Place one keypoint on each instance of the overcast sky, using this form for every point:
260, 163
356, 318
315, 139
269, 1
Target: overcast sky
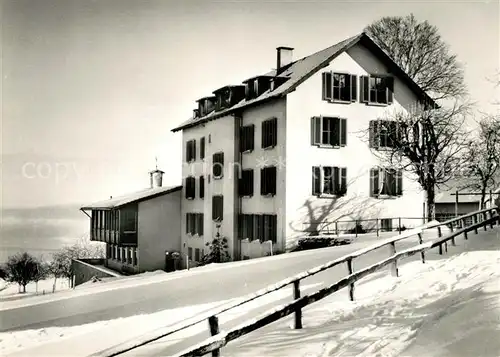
91, 88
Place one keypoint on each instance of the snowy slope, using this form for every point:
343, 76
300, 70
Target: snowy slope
444, 308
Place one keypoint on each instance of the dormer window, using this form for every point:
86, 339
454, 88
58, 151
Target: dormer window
255, 87
229, 96
223, 99
206, 106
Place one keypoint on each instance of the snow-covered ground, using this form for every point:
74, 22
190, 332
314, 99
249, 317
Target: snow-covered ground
444, 308
390, 317
12, 291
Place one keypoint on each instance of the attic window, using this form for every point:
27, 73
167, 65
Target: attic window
377, 89
223, 99
339, 87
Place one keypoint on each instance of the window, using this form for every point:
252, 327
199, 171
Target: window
191, 150
328, 131
202, 187
217, 208
190, 187
223, 99
261, 227
329, 180
268, 181
269, 133
197, 254
339, 87
202, 148
245, 186
247, 138
386, 182
386, 225
377, 89
384, 134
190, 253
194, 223
218, 165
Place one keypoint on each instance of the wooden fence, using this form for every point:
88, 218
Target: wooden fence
481, 219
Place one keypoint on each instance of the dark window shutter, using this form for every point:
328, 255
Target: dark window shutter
188, 151
354, 87
202, 187
316, 183
327, 85
390, 89
194, 150
251, 134
187, 222
336, 180
275, 131
317, 130
200, 224
343, 181
364, 88
343, 132
266, 224
313, 131
374, 182
400, 183
202, 148
335, 135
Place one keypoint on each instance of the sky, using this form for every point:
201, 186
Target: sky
92, 88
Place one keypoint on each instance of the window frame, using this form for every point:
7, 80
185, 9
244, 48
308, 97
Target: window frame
190, 190
219, 154
337, 181
268, 186
261, 227
381, 181
201, 184
243, 189
247, 138
191, 150
336, 123
269, 137
220, 215
366, 89
329, 88
388, 129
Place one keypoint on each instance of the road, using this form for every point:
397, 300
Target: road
197, 286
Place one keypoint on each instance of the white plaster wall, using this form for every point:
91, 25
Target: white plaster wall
222, 138
259, 157
158, 230
307, 102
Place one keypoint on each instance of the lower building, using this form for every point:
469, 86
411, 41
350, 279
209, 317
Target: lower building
141, 230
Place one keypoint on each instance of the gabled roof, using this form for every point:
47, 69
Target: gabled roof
299, 71
135, 197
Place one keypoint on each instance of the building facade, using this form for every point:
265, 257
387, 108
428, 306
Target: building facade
289, 152
141, 230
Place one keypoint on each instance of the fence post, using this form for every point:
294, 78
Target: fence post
351, 286
356, 228
484, 219
474, 220
376, 225
399, 225
394, 265
337, 228
420, 241
298, 312
213, 324
440, 234
492, 223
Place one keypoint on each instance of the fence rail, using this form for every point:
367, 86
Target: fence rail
218, 340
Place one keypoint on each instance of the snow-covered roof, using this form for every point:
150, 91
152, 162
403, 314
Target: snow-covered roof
138, 196
299, 71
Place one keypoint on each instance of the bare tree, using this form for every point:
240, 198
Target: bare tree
482, 158
417, 47
427, 144
22, 268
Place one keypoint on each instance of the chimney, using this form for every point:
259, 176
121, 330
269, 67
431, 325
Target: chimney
156, 178
284, 57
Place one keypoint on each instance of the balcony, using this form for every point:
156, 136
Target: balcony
125, 259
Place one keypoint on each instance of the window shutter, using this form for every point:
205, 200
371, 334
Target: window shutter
316, 177
317, 130
250, 137
266, 225
354, 87
343, 181
364, 84
263, 185
202, 148
327, 86
336, 180
374, 182
274, 219
343, 132
335, 133
250, 183
187, 222
399, 183
194, 150
390, 89
202, 187
200, 224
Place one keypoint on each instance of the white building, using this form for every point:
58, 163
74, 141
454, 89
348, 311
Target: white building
251, 151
